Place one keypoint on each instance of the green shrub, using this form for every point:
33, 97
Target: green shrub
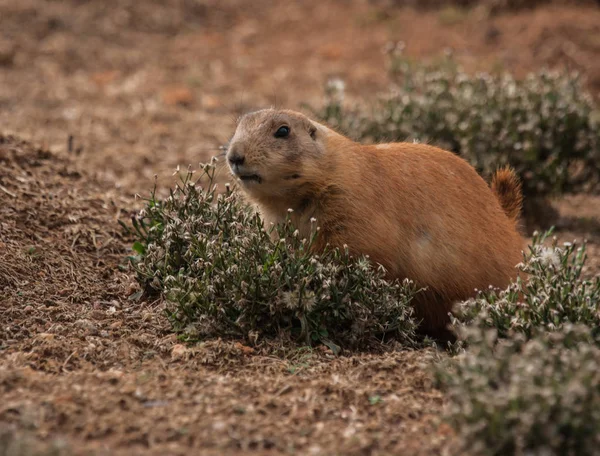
554, 294
224, 275
521, 396
529, 380
545, 126
493, 6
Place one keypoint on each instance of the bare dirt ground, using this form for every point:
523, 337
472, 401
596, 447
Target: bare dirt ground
142, 87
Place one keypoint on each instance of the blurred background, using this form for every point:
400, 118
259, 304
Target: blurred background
145, 85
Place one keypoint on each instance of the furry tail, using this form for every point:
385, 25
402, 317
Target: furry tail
507, 188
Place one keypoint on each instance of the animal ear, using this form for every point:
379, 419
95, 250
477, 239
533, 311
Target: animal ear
312, 130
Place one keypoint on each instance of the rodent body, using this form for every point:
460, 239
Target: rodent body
421, 212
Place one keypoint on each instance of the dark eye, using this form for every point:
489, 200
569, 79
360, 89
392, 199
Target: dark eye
282, 132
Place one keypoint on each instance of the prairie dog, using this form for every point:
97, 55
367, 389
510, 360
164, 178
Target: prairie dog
421, 212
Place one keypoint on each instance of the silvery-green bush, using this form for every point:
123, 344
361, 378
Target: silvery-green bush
525, 396
224, 275
553, 293
526, 380
546, 126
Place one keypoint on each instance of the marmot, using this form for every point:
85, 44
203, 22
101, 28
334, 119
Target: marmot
421, 212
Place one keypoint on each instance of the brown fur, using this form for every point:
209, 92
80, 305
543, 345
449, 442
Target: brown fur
506, 186
421, 212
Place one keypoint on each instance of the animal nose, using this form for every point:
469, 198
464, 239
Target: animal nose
236, 158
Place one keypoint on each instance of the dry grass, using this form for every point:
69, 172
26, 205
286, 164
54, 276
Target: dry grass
308, 404
82, 361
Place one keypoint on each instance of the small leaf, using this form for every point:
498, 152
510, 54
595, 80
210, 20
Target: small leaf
139, 247
375, 399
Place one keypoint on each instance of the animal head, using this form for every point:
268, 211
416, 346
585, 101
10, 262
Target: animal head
272, 150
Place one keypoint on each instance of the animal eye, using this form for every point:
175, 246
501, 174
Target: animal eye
282, 132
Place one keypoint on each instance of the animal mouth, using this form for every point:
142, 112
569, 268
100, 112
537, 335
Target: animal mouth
250, 178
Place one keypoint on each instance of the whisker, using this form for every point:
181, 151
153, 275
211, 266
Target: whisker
234, 118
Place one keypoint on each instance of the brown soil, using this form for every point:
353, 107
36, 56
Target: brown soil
142, 87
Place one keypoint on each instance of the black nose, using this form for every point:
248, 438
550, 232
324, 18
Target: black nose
236, 159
